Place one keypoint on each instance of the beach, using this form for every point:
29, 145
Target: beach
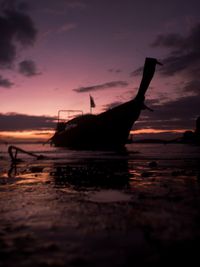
136, 207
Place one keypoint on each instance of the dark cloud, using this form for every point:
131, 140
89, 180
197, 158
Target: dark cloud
101, 86
5, 82
192, 86
176, 114
28, 68
170, 40
115, 70
20, 122
16, 28
137, 72
184, 55
183, 60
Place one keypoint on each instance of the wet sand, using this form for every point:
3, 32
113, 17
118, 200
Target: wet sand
129, 209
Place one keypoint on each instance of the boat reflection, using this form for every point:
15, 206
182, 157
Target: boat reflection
103, 174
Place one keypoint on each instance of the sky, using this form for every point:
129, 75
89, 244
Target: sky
54, 54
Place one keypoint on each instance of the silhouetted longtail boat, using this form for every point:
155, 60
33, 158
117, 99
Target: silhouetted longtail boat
107, 130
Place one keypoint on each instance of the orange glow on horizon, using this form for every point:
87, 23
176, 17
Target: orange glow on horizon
46, 134
33, 134
155, 131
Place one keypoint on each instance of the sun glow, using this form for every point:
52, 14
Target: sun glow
156, 131
26, 135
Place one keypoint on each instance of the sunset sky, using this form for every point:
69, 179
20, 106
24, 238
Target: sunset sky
54, 53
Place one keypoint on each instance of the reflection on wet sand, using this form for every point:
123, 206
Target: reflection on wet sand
101, 210
92, 174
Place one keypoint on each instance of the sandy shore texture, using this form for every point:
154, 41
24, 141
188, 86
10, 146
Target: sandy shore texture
109, 211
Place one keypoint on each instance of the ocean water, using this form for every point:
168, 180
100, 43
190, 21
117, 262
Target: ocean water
131, 152
93, 167
93, 208
135, 157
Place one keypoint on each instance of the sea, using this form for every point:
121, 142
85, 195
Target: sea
61, 207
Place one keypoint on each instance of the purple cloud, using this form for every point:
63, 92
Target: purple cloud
103, 86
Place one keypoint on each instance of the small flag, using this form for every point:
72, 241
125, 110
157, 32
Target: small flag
92, 103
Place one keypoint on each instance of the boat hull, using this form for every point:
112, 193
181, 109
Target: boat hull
107, 130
